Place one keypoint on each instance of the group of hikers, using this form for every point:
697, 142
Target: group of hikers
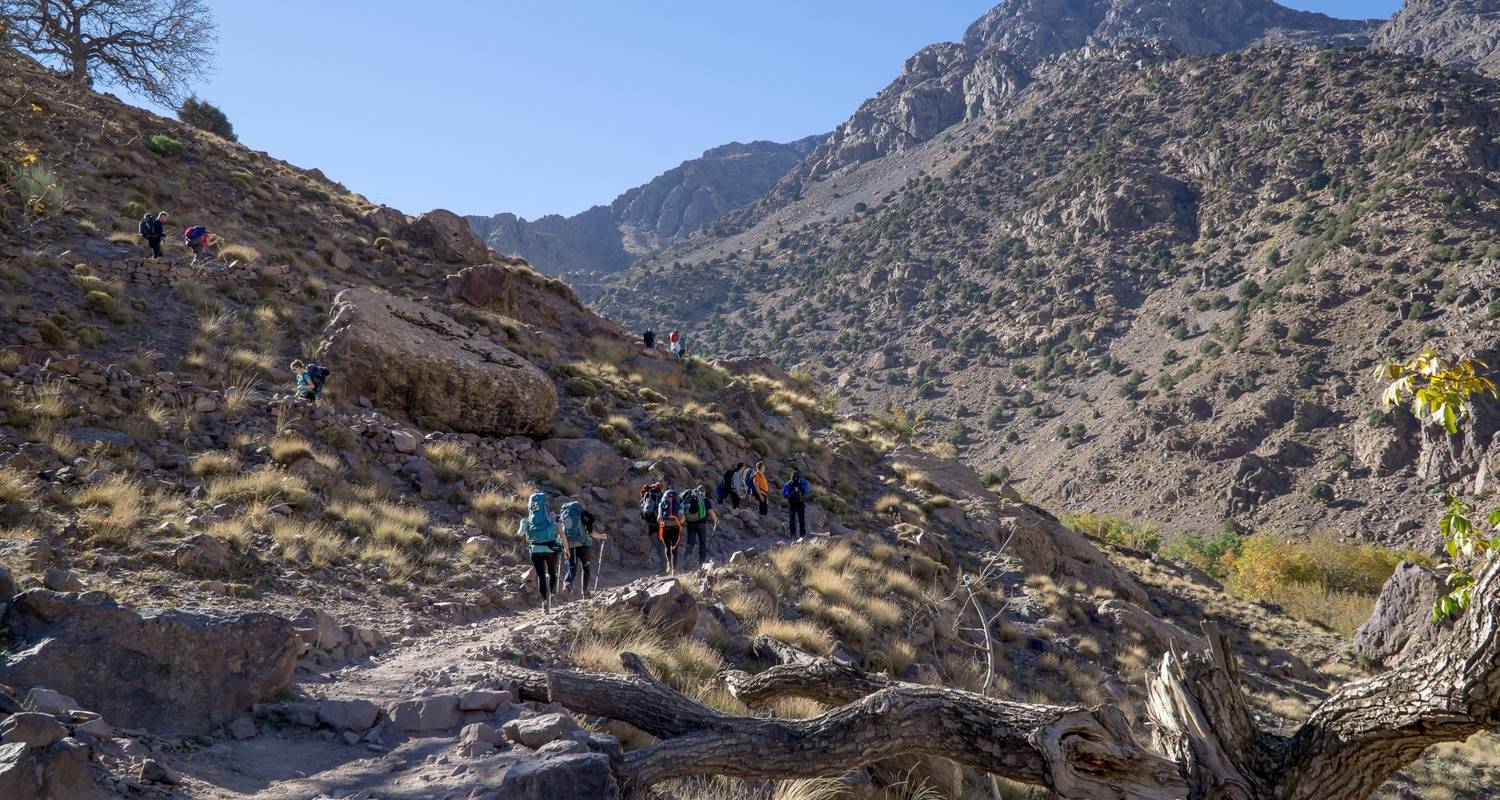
153, 229
670, 516
676, 344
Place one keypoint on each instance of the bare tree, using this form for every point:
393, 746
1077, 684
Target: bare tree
154, 47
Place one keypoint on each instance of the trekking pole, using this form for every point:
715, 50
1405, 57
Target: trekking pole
599, 568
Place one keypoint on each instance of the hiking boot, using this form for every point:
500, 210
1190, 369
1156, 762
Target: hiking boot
547, 605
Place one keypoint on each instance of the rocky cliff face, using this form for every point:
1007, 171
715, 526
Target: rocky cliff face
1042, 28
1460, 33
645, 219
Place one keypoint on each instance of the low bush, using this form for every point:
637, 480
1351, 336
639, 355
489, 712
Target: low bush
1116, 531
164, 145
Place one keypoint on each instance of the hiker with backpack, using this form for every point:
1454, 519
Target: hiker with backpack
651, 495
153, 230
740, 484
577, 525
310, 379
674, 343
796, 491
649, 339
197, 238
760, 486
671, 515
541, 530
732, 485
697, 512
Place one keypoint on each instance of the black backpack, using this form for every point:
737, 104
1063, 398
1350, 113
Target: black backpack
148, 226
650, 503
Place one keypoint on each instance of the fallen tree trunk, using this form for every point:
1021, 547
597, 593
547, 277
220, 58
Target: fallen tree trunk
1205, 742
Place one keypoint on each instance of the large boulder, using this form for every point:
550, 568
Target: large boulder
511, 288
1401, 624
552, 776
166, 671
411, 360
448, 236
590, 461
670, 609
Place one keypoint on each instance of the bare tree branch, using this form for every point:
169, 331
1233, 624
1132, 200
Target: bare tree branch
153, 47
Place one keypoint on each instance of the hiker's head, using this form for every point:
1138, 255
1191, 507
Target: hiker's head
760, 466
297, 365
162, 216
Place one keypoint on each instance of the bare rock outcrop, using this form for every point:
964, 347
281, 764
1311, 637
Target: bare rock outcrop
166, 671
410, 360
1401, 624
1459, 33
513, 289
448, 236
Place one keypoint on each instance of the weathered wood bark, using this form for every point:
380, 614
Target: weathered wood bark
1206, 744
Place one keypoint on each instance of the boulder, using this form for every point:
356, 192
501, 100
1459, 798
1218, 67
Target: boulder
408, 359
670, 609
385, 219
319, 629
165, 671
32, 729
47, 701
482, 700
425, 714
153, 771
511, 288
1160, 635
534, 732
448, 236
65, 771
589, 461
17, 772
553, 776
242, 728
1401, 624
348, 715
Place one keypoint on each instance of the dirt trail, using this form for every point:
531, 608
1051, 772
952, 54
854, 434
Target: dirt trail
293, 763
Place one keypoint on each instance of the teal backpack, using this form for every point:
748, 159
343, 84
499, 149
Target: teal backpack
541, 531
570, 519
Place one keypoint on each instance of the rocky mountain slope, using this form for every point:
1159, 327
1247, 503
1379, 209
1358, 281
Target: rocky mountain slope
644, 220
1134, 292
1460, 33
212, 591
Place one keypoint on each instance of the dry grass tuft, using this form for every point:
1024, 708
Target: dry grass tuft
214, 464
451, 460
798, 633
306, 542
112, 511
288, 450
264, 484
18, 491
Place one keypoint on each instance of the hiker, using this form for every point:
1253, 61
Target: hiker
198, 239
732, 485
671, 516
153, 230
761, 487
674, 343
577, 525
541, 530
697, 512
796, 491
310, 379
649, 337
651, 495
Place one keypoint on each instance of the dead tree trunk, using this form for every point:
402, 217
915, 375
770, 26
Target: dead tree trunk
1205, 743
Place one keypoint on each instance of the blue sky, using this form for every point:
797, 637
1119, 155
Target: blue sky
554, 105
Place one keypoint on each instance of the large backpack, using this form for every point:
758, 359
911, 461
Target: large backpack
671, 506
540, 529
318, 374
796, 490
148, 228
651, 501
570, 519
694, 509
194, 233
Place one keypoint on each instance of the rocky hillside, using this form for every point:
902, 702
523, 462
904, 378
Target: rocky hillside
644, 220
1133, 293
1461, 33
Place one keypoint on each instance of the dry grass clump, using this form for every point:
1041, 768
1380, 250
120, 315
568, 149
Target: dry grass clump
288, 450
263, 484
238, 252
721, 788
748, 608
801, 634
398, 565
236, 532
914, 477
214, 464
18, 492
384, 523
683, 457
307, 542
113, 510
687, 665
450, 460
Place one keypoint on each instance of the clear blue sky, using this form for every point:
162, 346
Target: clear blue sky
539, 106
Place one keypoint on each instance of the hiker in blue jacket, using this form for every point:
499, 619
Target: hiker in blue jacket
540, 528
796, 491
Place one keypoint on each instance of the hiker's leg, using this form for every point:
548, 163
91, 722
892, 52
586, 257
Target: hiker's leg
572, 566
802, 519
539, 563
586, 566
552, 559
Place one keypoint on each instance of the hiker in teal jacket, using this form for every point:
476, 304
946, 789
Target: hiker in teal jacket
541, 530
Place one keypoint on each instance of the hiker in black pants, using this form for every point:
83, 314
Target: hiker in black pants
733, 484
153, 230
578, 531
651, 495
796, 492
698, 511
649, 338
540, 529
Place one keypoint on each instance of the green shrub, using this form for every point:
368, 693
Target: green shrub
1321, 491
242, 178
206, 116
162, 144
1211, 552
314, 193
1116, 531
